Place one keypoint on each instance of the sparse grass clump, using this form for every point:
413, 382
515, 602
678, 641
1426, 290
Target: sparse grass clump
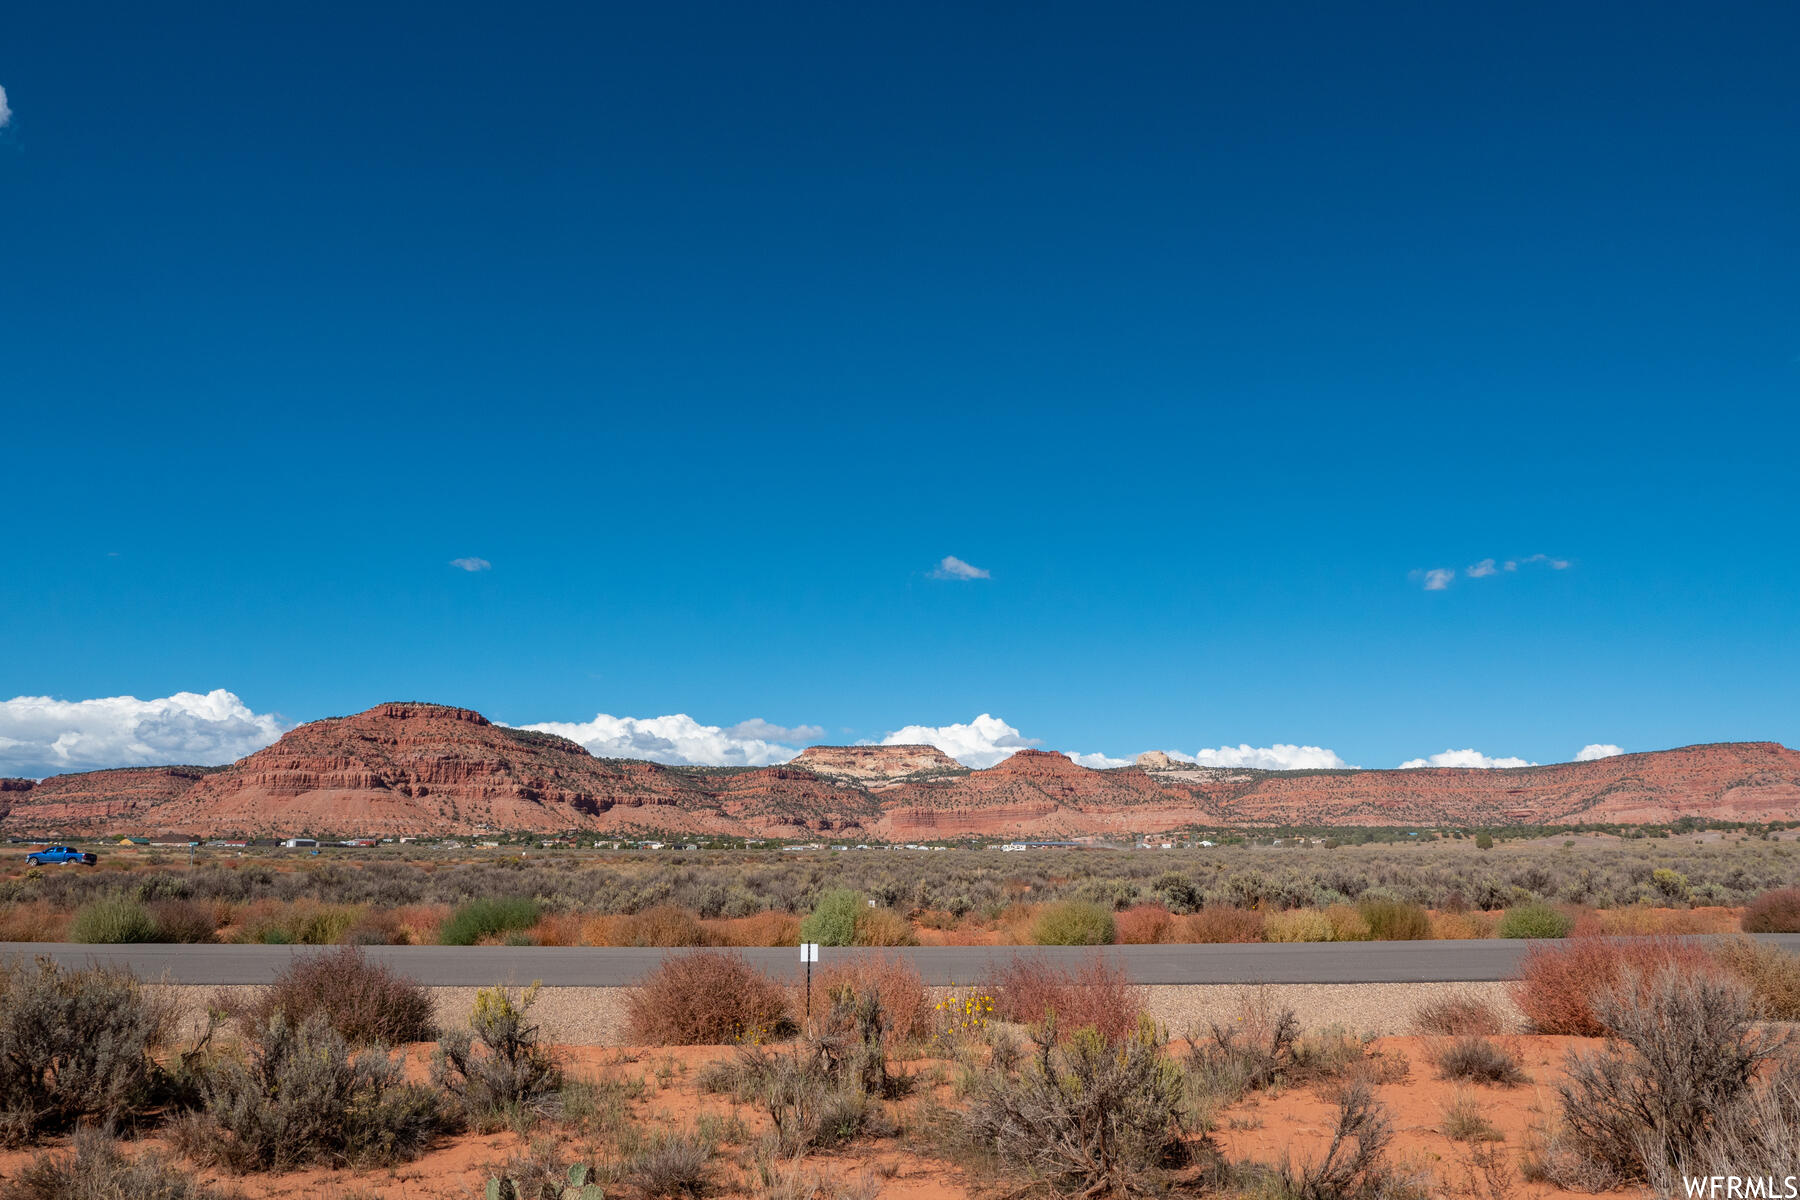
1464, 1122
75, 1046
487, 918
1474, 1059
1073, 923
365, 1001
1535, 921
97, 1169
1458, 1016
707, 997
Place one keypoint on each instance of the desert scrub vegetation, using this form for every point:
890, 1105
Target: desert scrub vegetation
497, 1071
1773, 912
488, 917
1686, 1084
297, 1094
365, 1001
1535, 921
77, 1046
1771, 973
1559, 985
1217, 894
706, 997
896, 985
1094, 995
1081, 1115
1474, 1059
95, 1168
1073, 923
1458, 1016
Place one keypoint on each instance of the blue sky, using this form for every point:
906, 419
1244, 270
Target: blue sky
714, 329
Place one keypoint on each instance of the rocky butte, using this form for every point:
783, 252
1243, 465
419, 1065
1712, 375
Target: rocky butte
428, 768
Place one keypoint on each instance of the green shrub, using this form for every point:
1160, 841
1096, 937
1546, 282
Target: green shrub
498, 1068
112, 920
1535, 921
302, 1097
1073, 923
832, 921
75, 1046
1396, 921
488, 917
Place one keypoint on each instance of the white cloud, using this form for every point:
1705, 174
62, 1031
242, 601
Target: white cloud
1597, 750
1464, 758
981, 743
1555, 564
1438, 578
1482, 569
1282, 756
676, 739
5, 111
1098, 762
953, 567
472, 564
41, 736
756, 727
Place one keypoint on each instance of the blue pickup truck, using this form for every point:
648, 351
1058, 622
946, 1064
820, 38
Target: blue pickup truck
60, 854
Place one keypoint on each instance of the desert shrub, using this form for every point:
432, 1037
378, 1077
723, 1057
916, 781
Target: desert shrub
1680, 1063
486, 918
1219, 924
1535, 921
707, 997
75, 1046
1773, 912
35, 921
1252, 1051
1396, 921
1096, 995
1474, 1059
832, 921
1144, 925
1347, 923
380, 927
302, 1096
1464, 1121
96, 1169
1355, 1165
1073, 923
1460, 925
113, 920
1557, 985
662, 925
893, 981
884, 927
758, 929
497, 1068
1083, 1118
184, 921
1771, 973
1297, 925
365, 1001
1458, 1016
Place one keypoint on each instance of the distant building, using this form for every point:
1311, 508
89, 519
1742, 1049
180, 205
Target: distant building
297, 843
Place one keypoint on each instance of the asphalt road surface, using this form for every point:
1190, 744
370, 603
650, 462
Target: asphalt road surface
585, 966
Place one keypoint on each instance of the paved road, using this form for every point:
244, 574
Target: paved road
451, 966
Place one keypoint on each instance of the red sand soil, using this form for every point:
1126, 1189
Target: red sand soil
1295, 1122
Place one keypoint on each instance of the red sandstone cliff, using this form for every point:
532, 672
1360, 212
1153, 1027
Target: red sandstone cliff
425, 768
